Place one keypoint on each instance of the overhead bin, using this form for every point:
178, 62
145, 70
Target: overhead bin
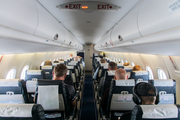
126, 29
48, 27
158, 15
15, 14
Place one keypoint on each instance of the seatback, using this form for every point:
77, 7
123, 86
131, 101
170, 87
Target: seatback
21, 112
156, 112
55, 98
107, 81
128, 71
33, 74
103, 67
166, 89
69, 80
119, 65
13, 91
140, 75
47, 71
120, 96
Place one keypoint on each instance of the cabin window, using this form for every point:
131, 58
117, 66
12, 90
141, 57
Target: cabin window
24, 72
11, 74
132, 64
42, 64
150, 72
122, 61
161, 74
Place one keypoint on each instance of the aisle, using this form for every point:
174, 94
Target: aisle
88, 108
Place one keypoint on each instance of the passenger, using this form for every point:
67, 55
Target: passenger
47, 62
111, 67
146, 92
126, 64
60, 71
137, 68
56, 61
103, 61
71, 55
76, 58
120, 74
61, 59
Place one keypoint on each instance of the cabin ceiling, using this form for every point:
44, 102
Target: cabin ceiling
88, 28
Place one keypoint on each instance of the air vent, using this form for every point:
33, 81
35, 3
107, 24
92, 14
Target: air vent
56, 37
120, 38
70, 43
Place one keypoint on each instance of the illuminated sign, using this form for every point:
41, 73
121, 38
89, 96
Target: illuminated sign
87, 6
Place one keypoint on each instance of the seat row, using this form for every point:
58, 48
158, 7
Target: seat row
50, 95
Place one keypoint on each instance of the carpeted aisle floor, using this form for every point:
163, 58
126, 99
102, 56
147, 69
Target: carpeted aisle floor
88, 108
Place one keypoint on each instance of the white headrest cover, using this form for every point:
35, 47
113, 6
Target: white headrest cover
54, 64
72, 63
47, 67
104, 64
16, 110
105, 67
159, 111
34, 72
119, 64
111, 73
137, 73
128, 67
129, 82
31, 86
10, 82
163, 82
50, 101
70, 67
61, 61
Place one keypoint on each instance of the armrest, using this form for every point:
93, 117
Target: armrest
73, 112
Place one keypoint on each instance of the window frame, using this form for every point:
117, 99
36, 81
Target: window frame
23, 71
158, 69
14, 74
150, 72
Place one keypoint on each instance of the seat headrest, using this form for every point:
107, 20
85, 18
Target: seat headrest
159, 111
71, 63
138, 73
70, 67
74, 62
54, 64
67, 72
128, 67
119, 64
111, 73
129, 82
34, 72
160, 82
9, 82
104, 64
61, 61
47, 67
16, 110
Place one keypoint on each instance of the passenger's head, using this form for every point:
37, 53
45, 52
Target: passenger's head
144, 93
71, 55
103, 61
137, 68
47, 62
79, 57
59, 72
61, 59
126, 64
112, 66
120, 74
56, 61
76, 58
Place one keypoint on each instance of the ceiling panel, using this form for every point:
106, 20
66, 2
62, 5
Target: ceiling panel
99, 22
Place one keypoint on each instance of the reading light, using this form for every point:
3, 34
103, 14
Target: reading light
84, 7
